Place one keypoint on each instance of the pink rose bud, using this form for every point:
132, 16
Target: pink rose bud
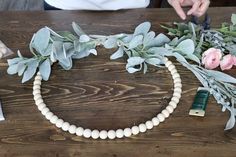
211, 58
234, 60
227, 62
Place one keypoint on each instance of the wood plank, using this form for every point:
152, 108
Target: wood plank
99, 93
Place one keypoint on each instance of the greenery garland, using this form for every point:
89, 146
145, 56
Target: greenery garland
143, 48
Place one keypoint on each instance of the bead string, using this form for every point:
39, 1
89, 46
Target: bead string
111, 134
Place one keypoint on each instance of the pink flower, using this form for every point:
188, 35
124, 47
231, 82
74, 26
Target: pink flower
227, 62
211, 58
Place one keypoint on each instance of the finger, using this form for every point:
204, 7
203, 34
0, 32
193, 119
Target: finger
179, 10
204, 6
194, 8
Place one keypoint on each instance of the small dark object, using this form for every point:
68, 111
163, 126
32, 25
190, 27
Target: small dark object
200, 102
205, 24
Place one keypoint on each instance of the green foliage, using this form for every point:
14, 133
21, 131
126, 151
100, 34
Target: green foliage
143, 48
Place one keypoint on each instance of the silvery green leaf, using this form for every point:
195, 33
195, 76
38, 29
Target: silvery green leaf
149, 37
45, 69
142, 29
66, 63
220, 76
179, 57
136, 41
19, 54
127, 39
58, 50
31, 44
12, 69
186, 46
53, 57
93, 51
21, 69
13, 61
231, 122
132, 61
110, 43
41, 40
48, 50
30, 70
119, 53
159, 51
233, 19
81, 54
68, 36
145, 67
54, 33
193, 58
77, 29
132, 70
84, 38
158, 41
153, 61
174, 42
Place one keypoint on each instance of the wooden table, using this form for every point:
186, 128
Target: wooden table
99, 93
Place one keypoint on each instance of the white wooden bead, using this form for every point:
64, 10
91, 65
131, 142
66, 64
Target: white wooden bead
36, 91
175, 99
161, 117
37, 96
155, 121
72, 129
149, 124
39, 101
171, 67
177, 80
38, 74
142, 128
59, 123
175, 76
36, 87
178, 84
165, 60
168, 63
53, 119
127, 132
177, 95
48, 115
173, 104
103, 134
79, 131
45, 110
95, 134
178, 89
37, 82
38, 78
174, 71
119, 133
41, 106
87, 133
135, 130
170, 109
65, 126
165, 113
111, 134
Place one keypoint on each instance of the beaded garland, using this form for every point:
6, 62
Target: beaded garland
111, 134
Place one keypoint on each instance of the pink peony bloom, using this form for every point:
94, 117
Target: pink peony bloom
211, 58
227, 62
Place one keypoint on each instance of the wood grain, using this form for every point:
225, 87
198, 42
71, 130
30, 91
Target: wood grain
99, 93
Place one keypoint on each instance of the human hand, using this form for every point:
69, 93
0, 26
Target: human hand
199, 7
